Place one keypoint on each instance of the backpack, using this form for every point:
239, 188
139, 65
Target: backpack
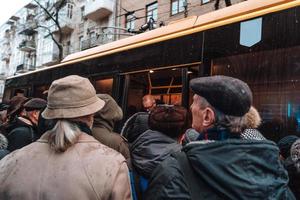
139, 185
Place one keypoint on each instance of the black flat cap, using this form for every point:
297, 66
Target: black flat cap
35, 104
228, 95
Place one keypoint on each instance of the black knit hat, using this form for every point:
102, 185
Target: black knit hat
285, 144
229, 95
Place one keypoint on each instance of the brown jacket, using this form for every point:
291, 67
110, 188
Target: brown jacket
104, 122
87, 170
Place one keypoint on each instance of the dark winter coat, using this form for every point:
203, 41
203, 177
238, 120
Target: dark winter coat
232, 169
21, 134
294, 176
150, 149
104, 122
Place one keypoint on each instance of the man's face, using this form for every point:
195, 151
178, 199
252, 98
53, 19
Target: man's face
34, 116
148, 102
197, 114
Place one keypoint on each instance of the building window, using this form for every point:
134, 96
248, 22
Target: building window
130, 21
177, 6
80, 42
70, 10
205, 1
151, 11
82, 10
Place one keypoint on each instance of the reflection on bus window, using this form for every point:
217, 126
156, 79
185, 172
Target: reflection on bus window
104, 86
192, 73
274, 78
164, 85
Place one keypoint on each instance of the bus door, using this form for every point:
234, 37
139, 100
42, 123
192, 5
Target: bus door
167, 86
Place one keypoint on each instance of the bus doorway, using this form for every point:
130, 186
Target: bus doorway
167, 86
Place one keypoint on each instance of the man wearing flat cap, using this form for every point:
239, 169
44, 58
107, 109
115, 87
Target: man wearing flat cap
33, 108
220, 164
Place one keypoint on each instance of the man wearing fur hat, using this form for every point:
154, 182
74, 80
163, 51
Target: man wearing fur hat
66, 162
220, 164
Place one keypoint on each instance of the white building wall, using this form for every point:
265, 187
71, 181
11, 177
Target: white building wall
46, 49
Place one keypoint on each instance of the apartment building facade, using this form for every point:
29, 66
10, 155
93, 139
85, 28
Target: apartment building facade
29, 38
142, 15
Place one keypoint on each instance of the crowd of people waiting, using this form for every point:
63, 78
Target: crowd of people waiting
66, 147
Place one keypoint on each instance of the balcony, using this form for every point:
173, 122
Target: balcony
66, 24
5, 57
98, 9
2, 75
22, 68
50, 57
28, 28
96, 41
5, 41
89, 43
27, 46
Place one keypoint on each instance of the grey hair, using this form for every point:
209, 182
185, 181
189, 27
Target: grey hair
233, 123
3, 142
295, 154
63, 135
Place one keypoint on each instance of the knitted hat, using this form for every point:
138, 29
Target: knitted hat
285, 144
168, 119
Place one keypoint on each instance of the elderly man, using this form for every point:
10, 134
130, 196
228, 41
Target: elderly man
67, 162
220, 165
148, 102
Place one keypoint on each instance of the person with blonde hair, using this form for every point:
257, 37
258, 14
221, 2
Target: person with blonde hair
66, 162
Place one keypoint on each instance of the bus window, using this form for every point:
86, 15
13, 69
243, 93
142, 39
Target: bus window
21, 92
41, 91
274, 78
164, 85
7, 95
268, 62
104, 86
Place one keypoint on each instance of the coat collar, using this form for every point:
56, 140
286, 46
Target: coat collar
83, 138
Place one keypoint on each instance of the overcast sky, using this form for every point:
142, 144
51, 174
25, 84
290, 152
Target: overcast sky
9, 8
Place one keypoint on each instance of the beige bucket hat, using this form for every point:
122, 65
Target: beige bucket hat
70, 97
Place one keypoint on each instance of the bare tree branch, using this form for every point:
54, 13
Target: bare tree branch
50, 33
55, 18
44, 9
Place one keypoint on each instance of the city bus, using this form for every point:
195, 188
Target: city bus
255, 41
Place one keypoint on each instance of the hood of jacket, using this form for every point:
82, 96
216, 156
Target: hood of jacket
109, 114
234, 165
149, 149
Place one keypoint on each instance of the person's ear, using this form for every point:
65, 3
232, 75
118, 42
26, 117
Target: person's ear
36, 114
208, 117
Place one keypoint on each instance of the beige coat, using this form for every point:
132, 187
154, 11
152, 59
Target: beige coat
87, 170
